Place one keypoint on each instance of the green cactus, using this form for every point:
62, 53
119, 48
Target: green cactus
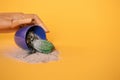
43, 46
38, 44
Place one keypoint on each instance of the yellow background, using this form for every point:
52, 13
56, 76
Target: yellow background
86, 32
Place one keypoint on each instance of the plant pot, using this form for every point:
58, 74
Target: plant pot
20, 35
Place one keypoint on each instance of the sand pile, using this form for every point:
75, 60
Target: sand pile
22, 55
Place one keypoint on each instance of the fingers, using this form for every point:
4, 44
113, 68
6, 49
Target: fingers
39, 22
21, 21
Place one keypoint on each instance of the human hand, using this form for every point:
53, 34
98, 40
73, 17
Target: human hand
10, 22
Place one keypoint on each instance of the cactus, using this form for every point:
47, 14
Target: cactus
43, 46
35, 43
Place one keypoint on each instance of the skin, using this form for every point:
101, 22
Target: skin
10, 22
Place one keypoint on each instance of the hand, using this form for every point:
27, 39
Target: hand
10, 22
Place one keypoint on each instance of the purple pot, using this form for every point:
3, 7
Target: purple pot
20, 36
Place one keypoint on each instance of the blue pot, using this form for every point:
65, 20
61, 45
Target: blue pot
20, 35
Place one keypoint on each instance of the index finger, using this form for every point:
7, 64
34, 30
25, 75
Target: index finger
36, 20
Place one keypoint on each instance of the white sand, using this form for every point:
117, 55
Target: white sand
22, 55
